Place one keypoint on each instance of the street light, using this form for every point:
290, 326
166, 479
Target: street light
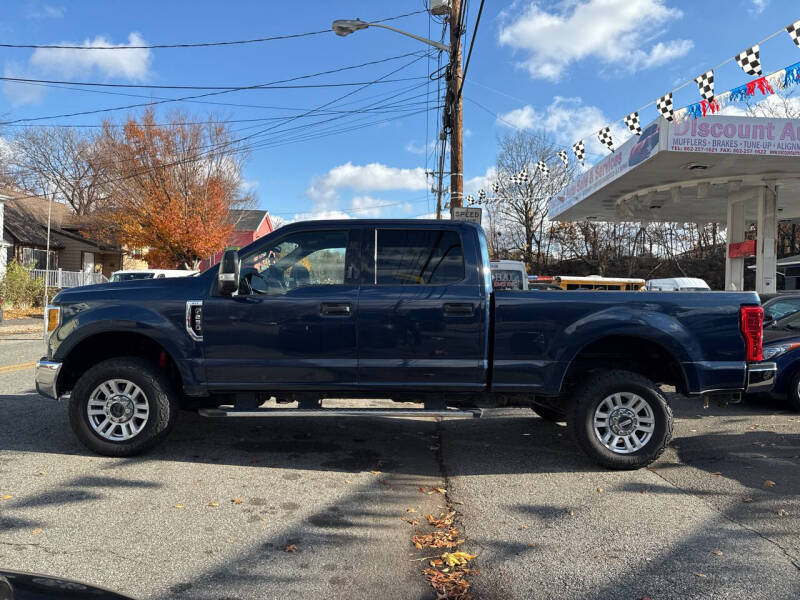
343, 27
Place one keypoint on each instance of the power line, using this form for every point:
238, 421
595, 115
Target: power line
217, 93
193, 87
469, 53
193, 44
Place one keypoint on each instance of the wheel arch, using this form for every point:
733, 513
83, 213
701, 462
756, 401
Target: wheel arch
103, 345
644, 355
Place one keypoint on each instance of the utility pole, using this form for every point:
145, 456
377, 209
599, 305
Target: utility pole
453, 120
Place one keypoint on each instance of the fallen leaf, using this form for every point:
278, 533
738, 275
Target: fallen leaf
782, 512
292, 548
6, 497
701, 574
37, 531
229, 540
178, 506
422, 489
236, 501
411, 510
524, 526
375, 472
752, 427
718, 552
410, 521
717, 474
436, 562
748, 499
197, 482
42, 473
457, 559
440, 490
599, 490
212, 504
347, 481
571, 513
418, 545
531, 545
769, 483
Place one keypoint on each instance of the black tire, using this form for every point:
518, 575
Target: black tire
793, 393
588, 396
163, 405
550, 414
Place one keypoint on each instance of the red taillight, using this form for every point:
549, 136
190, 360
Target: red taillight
753, 332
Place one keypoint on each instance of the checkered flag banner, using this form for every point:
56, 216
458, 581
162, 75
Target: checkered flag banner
481, 196
705, 85
496, 188
470, 199
522, 176
749, 61
579, 149
515, 179
562, 154
793, 31
632, 122
543, 168
665, 107
604, 135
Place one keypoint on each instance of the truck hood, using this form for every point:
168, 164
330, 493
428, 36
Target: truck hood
138, 289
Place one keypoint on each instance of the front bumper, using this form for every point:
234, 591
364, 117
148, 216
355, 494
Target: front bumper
47, 378
761, 377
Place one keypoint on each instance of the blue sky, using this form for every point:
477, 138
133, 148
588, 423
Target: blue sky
568, 67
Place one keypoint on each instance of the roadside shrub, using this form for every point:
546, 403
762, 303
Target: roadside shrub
18, 289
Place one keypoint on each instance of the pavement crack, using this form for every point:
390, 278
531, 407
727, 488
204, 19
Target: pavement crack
794, 561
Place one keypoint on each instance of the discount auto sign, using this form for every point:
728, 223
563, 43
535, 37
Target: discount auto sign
736, 135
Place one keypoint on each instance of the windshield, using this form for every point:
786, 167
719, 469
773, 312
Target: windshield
130, 276
779, 308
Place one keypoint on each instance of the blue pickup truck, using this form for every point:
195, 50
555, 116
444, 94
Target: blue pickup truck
397, 309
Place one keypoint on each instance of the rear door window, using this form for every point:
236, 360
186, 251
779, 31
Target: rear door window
418, 257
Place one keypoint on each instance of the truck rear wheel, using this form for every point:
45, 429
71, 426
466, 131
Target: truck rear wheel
122, 407
621, 420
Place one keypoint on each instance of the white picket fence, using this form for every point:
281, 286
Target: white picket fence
59, 278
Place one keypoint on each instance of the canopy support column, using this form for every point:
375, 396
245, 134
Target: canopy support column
765, 242
734, 267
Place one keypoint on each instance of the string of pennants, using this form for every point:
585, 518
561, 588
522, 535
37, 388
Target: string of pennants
710, 103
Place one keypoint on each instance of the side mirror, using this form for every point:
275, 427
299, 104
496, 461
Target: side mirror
228, 274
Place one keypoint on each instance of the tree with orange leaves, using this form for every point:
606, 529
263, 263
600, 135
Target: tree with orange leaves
172, 187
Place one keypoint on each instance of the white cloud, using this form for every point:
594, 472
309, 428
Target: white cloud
47, 11
480, 182
758, 6
364, 178
325, 215
567, 120
415, 148
131, 65
127, 64
368, 206
616, 32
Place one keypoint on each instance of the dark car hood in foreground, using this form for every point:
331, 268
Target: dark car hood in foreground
139, 288
28, 586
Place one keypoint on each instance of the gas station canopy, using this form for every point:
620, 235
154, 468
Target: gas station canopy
736, 170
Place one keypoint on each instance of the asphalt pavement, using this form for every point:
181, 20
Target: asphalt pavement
325, 507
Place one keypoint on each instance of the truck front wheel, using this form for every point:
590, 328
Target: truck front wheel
122, 407
621, 420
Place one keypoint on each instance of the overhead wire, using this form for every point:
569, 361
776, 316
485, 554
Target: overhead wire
216, 93
190, 44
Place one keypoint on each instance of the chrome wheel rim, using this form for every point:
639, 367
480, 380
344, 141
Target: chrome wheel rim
118, 410
624, 422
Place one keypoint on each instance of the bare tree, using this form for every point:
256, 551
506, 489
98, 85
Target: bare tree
522, 203
61, 161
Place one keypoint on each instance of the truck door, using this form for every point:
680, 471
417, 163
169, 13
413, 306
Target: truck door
293, 323
422, 313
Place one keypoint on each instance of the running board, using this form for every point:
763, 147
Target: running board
470, 413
